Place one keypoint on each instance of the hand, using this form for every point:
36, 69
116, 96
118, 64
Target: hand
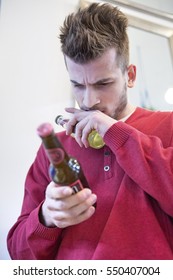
62, 208
85, 122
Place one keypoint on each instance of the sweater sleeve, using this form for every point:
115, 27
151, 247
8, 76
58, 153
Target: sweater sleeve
144, 159
28, 238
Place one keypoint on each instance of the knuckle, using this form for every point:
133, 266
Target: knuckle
78, 128
48, 191
60, 224
61, 205
87, 204
95, 115
91, 201
72, 213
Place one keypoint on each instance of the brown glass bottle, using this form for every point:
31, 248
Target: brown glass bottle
64, 170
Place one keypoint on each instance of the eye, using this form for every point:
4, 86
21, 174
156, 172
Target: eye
103, 84
75, 85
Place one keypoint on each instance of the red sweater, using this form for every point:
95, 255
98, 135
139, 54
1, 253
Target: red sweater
134, 214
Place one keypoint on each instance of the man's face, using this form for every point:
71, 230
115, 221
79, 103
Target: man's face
100, 84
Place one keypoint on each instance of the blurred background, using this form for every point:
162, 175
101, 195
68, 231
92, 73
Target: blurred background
34, 85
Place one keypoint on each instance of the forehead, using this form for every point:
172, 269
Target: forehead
99, 68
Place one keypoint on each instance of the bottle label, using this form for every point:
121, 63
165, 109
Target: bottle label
57, 175
55, 155
76, 186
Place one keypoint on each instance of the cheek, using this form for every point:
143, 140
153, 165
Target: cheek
109, 97
113, 98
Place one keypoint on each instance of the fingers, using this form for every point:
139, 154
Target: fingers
55, 192
65, 203
72, 110
62, 208
85, 122
77, 116
83, 128
75, 214
81, 120
63, 223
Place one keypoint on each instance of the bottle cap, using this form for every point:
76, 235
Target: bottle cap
60, 120
44, 129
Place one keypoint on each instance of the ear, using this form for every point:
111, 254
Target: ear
131, 71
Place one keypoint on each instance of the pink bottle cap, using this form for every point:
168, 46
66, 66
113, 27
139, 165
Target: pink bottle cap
44, 129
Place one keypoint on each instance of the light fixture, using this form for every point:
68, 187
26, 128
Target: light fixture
169, 95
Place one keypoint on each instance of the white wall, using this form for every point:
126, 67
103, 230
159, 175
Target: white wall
34, 88
152, 57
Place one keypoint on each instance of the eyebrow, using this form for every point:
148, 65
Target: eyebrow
102, 81
74, 82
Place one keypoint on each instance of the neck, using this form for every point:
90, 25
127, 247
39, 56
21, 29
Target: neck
127, 111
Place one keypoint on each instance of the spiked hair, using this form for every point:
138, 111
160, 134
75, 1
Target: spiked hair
88, 33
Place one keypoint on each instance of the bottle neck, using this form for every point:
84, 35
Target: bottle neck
51, 141
54, 148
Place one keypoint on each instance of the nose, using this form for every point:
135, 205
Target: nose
90, 99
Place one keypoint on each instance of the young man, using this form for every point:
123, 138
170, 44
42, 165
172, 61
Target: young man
131, 177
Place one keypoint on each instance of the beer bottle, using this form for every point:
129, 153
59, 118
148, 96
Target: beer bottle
94, 139
64, 170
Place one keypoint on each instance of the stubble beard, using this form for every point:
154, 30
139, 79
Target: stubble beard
121, 106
